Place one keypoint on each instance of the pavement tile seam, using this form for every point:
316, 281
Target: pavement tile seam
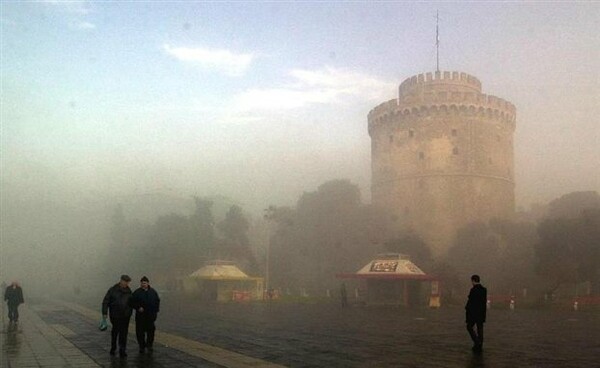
211, 353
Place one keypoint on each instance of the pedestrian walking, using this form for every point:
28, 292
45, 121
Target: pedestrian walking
13, 295
116, 305
146, 303
476, 311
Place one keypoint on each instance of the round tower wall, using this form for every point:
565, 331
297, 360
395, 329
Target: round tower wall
443, 157
436, 207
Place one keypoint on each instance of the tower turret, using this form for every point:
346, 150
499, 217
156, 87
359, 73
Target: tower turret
442, 155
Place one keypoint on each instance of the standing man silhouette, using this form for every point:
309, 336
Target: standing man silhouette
475, 311
344, 295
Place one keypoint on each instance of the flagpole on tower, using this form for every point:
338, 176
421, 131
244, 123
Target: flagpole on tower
437, 40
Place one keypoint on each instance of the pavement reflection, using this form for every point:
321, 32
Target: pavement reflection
476, 361
139, 361
13, 339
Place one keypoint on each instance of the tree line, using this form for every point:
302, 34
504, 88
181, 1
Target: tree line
331, 231
175, 245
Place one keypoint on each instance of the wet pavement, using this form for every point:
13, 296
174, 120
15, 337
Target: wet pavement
59, 334
308, 335
33, 343
191, 334
324, 335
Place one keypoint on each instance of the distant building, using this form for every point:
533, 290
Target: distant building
442, 156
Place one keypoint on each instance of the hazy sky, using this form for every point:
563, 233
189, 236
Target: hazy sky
261, 101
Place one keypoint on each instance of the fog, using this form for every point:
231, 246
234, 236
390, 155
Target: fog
255, 104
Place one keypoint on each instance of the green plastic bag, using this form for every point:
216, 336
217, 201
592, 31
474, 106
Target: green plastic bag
103, 324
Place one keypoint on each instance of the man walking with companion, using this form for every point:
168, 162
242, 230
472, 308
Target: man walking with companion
116, 305
146, 303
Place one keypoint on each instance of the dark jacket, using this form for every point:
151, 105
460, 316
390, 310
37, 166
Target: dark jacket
476, 305
147, 299
116, 303
14, 296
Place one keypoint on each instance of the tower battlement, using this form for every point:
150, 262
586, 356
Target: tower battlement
458, 81
467, 104
442, 93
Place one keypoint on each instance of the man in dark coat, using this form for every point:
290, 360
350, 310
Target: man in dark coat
476, 310
13, 295
146, 303
116, 304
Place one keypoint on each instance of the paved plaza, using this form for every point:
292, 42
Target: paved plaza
191, 334
59, 334
324, 335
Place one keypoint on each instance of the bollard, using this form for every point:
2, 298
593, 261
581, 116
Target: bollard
488, 304
576, 306
328, 293
512, 304
356, 293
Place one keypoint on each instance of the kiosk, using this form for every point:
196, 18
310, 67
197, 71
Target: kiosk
223, 281
392, 279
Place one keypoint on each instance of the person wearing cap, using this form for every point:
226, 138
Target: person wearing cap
116, 305
146, 303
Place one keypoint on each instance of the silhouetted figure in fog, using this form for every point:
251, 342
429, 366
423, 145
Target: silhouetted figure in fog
13, 295
116, 304
146, 303
344, 295
476, 310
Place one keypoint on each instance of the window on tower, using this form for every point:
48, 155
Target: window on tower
391, 139
454, 132
421, 156
455, 151
411, 133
